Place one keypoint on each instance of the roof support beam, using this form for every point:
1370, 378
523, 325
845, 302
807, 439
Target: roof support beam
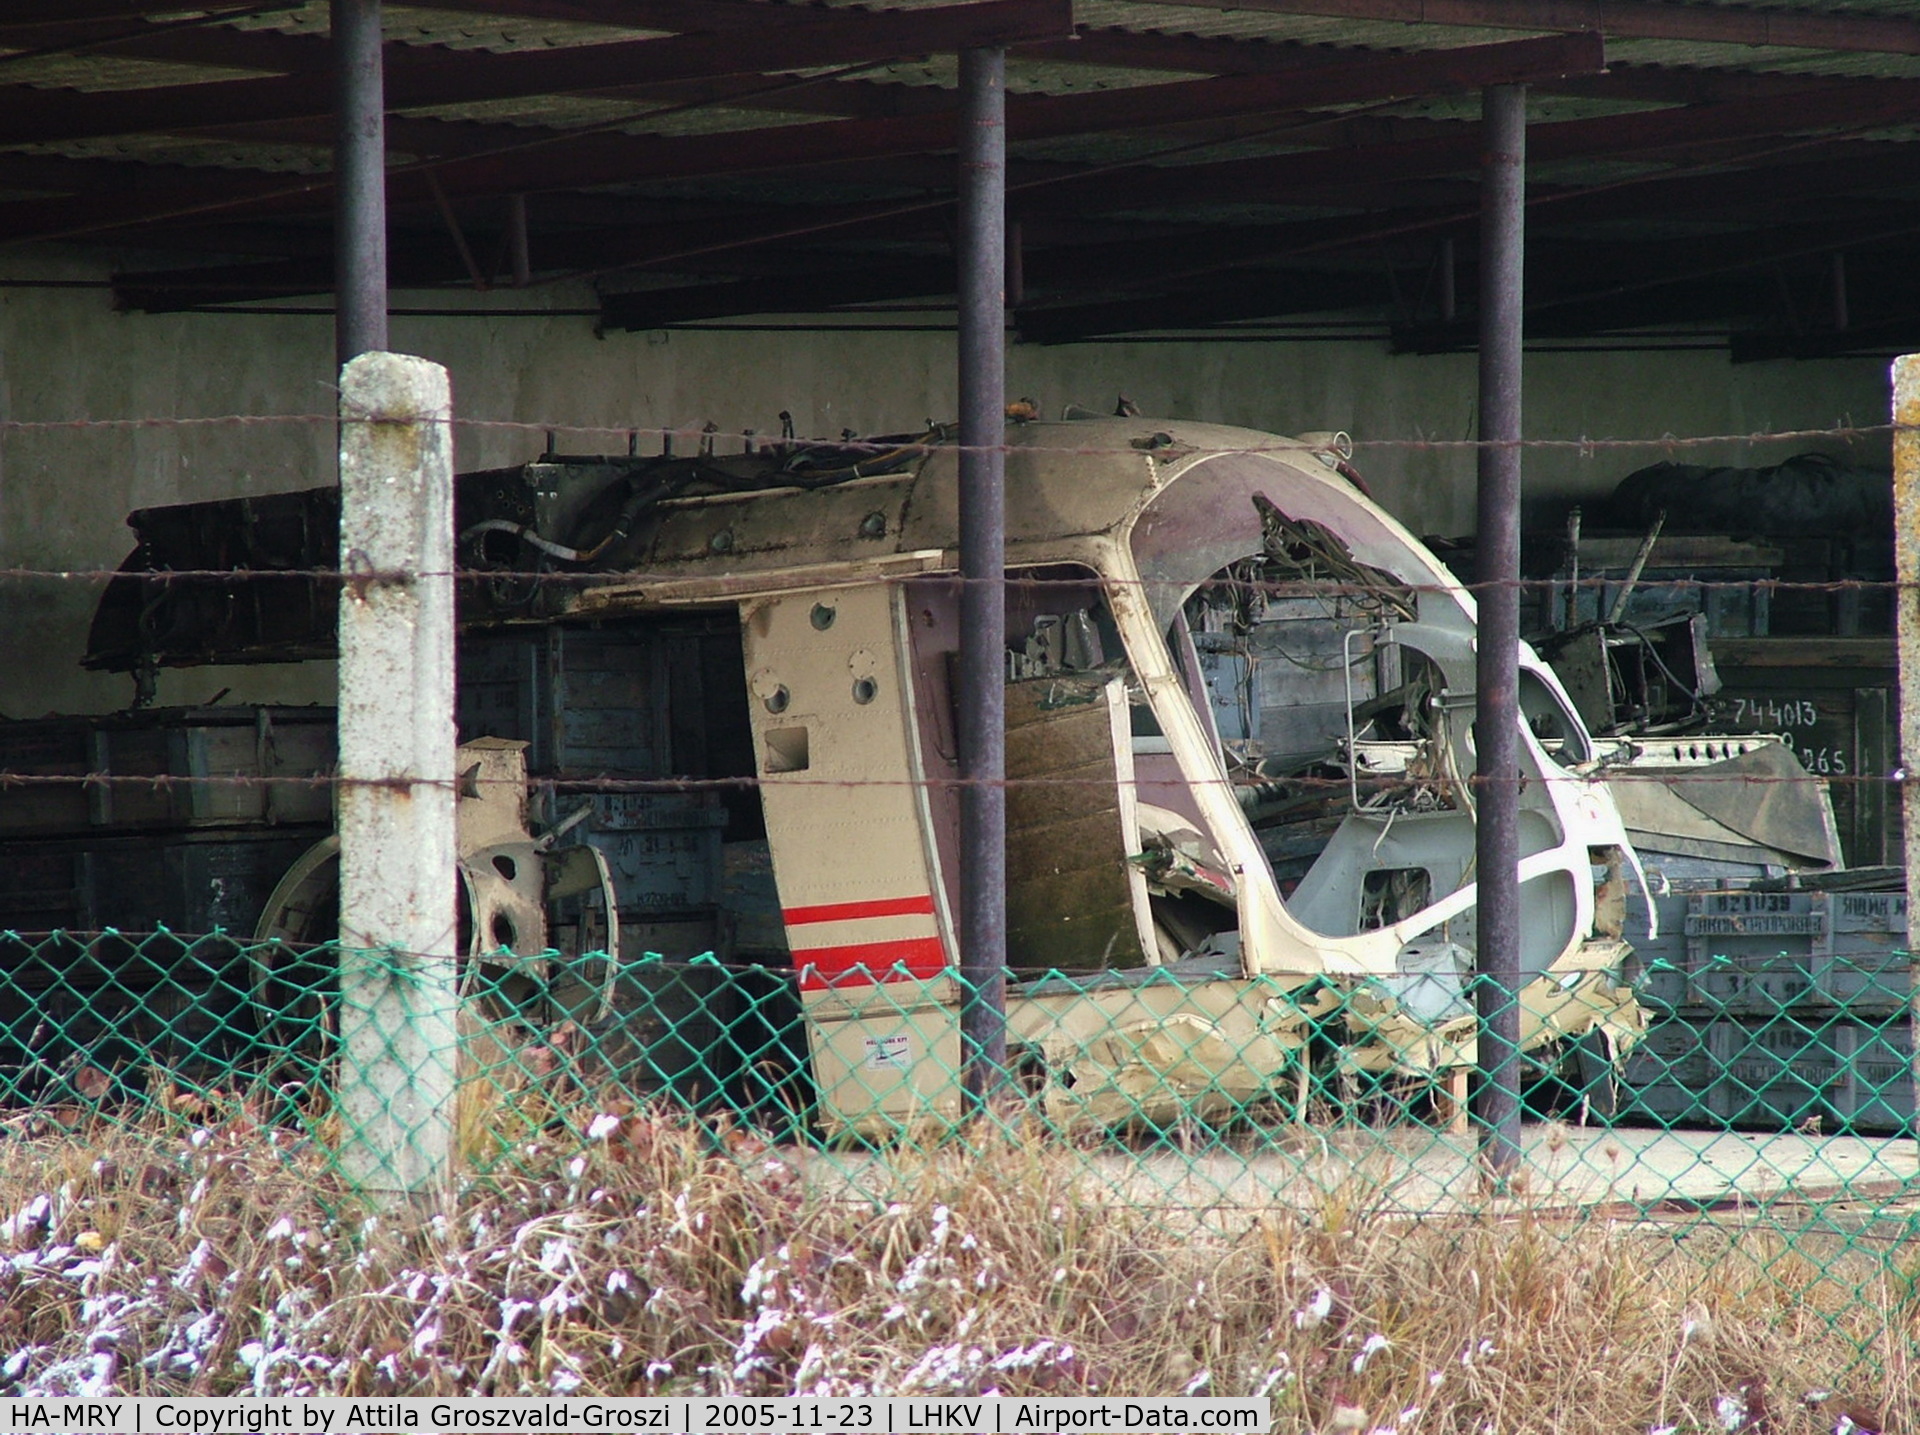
1776, 186
780, 279
1323, 174
29, 15
1203, 55
612, 159
208, 42
1622, 20
204, 41
1192, 277
619, 158
705, 16
110, 194
812, 282
787, 40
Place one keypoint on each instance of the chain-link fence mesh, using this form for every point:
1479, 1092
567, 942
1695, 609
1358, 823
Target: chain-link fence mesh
1733, 1131
241, 1155
1193, 1056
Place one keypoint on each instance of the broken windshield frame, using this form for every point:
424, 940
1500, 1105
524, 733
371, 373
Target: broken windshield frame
1210, 518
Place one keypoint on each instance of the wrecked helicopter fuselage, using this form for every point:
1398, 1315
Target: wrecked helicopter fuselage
1193, 905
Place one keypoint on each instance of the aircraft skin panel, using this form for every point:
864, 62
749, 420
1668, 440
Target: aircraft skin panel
832, 726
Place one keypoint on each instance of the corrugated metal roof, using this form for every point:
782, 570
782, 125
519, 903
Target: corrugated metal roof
1772, 59
187, 151
96, 74
1680, 137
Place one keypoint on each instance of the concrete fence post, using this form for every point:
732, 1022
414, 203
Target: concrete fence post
398, 885
1906, 529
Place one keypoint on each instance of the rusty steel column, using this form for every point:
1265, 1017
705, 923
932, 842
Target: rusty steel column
1906, 529
1496, 1096
983, 547
359, 181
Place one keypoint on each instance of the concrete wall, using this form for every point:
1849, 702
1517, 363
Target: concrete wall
64, 355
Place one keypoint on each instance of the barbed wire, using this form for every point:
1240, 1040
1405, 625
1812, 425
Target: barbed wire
705, 437
762, 442
1278, 588
565, 786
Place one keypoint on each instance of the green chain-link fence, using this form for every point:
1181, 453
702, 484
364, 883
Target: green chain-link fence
1193, 1054
1810, 1042
1731, 1189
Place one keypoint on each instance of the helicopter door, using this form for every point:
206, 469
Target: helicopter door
850, 833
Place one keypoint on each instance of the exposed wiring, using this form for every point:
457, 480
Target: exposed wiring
1386, 827
867, 467
1315, 555
1308, 665
1652, 650
527, 536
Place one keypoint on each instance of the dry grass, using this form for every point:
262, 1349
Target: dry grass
212, 1253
